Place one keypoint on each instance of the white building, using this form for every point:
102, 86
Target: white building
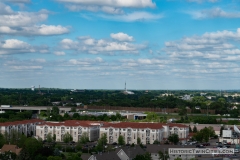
27, 127
75, 128
147, 132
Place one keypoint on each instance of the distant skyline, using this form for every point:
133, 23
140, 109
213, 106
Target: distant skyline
100, 44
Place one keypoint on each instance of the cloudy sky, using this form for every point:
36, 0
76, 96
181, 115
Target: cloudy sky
100, 44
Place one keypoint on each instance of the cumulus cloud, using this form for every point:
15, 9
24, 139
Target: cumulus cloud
15, 46
121, 36
17, 1
115, 9
113, 3
120, 43
213, 13
201, 1
134, 16
59, 53
214, 54
105, 9
27, 23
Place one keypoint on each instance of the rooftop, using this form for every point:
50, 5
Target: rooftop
21, 122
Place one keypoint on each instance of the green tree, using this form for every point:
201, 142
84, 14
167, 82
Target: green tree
102, 142
2, 140
151, 116
190, 129
182, 111
121, 140
118, 116
174, 138
163, 155
146, 156
138, 140
21, 141
195, 129
55, 110
178, 158
54, 137
30, 148
54, 158
66, 139
84, 138
74, 156
49, 137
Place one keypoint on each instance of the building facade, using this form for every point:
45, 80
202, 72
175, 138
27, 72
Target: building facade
74, 127
26, 127
147, 132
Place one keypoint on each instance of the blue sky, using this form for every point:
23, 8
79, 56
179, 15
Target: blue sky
96, 44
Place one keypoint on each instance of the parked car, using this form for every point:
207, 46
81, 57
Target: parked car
206, 144
236, 150
114, 143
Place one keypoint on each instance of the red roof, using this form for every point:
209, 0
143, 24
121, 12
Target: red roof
177, 125
141, 125
134, 125
71, 123
21, 122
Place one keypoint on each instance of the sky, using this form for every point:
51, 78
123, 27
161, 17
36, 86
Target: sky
101, 44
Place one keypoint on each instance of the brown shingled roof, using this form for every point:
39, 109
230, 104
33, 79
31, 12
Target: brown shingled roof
10, 147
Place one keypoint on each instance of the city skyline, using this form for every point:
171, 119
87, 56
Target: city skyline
150, 44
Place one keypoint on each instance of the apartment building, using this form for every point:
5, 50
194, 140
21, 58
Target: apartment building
75, 128
147, 132
181, 130
27, 127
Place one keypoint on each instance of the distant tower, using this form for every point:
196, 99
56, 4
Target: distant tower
125, 86
39, 91
33, 88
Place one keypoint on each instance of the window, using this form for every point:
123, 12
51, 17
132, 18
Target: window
124, 129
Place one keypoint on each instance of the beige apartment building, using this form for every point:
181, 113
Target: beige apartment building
147, 132
75, 128
27, 127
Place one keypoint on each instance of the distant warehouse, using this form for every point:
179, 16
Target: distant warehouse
6, 106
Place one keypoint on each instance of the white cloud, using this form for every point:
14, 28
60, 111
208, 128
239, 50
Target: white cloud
105, 9
17, 1
213, 13
40, 60
15, 46
18, 19
95, 46
86, 62
5, 10
113, 3
27, 23
59, 53
121, 36
134, 16
201, 1
209, 53
26, 67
